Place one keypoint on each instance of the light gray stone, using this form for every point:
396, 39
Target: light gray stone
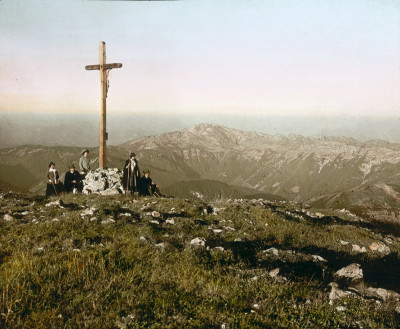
201, 242
381, 293
357, 248
352, 271
379, 247
319, 258
272, 251
337, 293
8, 217
108, 221
155, 214
274, 273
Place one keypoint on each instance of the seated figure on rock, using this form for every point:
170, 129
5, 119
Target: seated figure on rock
149, 188
72, 182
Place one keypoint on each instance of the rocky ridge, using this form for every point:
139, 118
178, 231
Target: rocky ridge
294, 167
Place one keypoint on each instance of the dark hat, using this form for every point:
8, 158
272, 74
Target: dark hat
147, 171
84, 150
51, 163
132, 154
71, 166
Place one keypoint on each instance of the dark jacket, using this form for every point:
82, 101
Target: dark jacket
68, 182
147, 184
131, 179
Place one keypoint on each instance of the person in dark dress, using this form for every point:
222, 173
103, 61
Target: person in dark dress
54, 186
131, 175
72, 182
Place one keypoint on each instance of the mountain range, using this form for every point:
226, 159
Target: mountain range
212, 161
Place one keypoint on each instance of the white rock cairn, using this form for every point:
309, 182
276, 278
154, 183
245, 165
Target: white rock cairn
104, 182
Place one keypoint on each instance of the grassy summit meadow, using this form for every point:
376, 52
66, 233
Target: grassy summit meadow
80, 261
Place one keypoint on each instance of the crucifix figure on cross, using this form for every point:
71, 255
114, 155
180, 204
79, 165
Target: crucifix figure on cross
104, 69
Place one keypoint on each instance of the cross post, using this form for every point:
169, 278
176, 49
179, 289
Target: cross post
103, 68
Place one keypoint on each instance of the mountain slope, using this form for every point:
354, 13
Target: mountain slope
294, 167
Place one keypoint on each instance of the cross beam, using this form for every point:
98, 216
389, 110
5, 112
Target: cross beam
103, 68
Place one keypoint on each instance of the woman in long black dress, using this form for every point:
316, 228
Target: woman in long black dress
54, 186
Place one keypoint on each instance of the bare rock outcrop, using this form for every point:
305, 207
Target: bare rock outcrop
104, 182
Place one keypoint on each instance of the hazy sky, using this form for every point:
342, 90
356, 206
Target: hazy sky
308, 57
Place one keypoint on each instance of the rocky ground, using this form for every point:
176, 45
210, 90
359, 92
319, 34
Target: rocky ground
119, 261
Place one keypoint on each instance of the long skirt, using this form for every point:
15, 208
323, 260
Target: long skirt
54, 189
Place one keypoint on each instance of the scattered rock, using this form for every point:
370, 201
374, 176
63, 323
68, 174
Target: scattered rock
217, 231
274, 273
54, 204
337, 293
8, 217
170, 221
156, 214
319, 258
142, 238
108, 221
219, 248
380, 293
56, 220
88, 212
146, 207
379, 247
272, 251
163, 245
357, 248
201, 242
352, 271
389, 240
340, 308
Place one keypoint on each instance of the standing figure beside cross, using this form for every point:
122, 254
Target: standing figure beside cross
103, 68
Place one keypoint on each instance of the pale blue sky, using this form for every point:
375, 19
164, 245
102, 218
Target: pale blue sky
253, 57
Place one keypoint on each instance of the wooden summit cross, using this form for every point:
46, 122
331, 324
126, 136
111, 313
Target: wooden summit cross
104, 68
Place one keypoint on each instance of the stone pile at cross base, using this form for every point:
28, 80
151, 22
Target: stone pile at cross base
104, 182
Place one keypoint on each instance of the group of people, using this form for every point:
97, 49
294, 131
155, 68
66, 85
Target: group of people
132, 181
73, 179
